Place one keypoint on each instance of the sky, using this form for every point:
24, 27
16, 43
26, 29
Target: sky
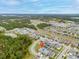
40, 6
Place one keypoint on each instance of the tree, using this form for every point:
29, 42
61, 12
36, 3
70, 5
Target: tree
43, 25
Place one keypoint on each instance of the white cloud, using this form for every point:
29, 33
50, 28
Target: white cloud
11, 2
34, 0
77, 1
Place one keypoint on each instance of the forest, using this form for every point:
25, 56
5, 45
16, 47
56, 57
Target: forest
14, 48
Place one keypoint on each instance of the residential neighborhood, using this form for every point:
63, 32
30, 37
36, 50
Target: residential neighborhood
51, 40
39, 29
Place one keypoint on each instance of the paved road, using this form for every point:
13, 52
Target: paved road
32, 48
66, 49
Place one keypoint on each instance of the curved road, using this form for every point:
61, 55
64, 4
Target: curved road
32, 48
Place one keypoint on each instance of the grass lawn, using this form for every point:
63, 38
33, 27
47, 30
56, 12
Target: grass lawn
29, 57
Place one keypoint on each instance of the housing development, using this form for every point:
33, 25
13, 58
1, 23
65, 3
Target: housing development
39, 37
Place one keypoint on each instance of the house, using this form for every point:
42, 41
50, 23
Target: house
46, 52
73, 54
41, 56
54, 44
42, 38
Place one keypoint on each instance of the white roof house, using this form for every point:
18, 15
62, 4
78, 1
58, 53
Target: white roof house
73, 54
41, 56
20, 30
46, 52
42, 38
59, 24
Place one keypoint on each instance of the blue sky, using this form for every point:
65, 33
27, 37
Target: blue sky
40, 6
